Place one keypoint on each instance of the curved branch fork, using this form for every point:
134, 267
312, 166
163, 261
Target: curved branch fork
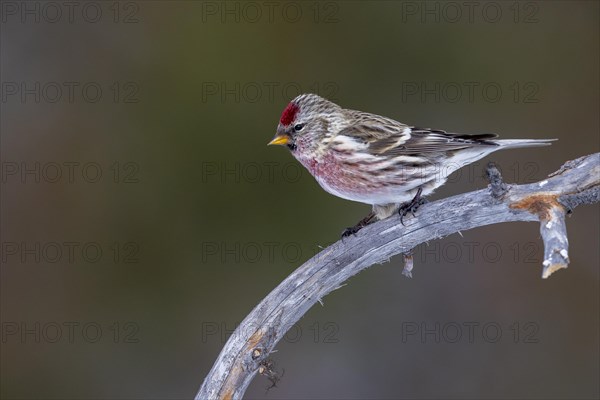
247, 350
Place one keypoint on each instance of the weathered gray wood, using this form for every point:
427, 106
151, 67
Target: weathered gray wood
247, 350
556, 244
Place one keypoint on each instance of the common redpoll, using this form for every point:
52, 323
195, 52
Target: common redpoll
376, 160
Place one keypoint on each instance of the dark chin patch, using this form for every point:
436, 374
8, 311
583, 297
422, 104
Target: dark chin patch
291, 146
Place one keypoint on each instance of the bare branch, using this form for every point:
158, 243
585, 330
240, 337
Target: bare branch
248, 349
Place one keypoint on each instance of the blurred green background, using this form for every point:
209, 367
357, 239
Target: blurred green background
197, 219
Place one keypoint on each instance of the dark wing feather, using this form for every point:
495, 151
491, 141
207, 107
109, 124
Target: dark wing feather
388, 137
380, 133
428, 141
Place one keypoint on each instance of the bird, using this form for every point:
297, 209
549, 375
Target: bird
376, 160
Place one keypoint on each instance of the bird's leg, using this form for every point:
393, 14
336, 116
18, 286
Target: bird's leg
411, 206
361, 224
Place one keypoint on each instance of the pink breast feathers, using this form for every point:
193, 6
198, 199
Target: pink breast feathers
289, 114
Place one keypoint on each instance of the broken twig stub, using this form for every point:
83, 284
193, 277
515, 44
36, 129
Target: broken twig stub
552, 228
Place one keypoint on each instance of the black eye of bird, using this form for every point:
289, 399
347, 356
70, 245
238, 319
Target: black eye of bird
298, 127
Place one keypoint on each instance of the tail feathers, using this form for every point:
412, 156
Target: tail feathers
514, 143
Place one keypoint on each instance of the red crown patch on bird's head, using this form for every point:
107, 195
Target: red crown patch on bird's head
289, 114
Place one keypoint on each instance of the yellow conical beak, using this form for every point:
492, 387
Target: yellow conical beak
280, 140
